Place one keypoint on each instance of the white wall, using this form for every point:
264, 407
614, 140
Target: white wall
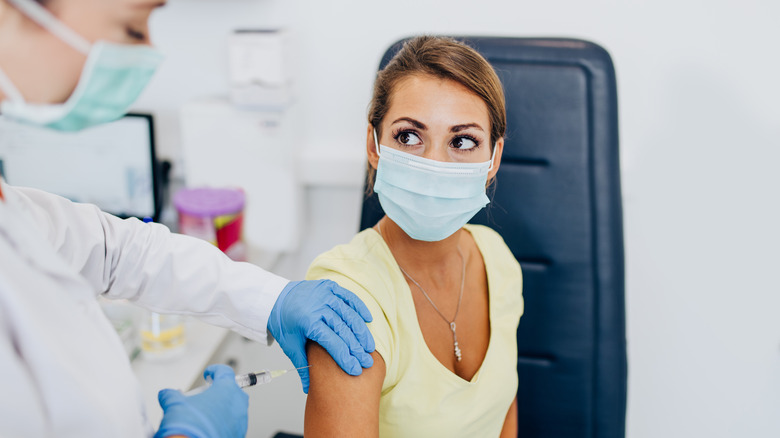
698, 92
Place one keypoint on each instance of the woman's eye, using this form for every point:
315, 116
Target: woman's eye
408, 139
136, 35
463, 143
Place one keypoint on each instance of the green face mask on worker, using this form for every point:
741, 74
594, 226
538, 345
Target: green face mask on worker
113, 77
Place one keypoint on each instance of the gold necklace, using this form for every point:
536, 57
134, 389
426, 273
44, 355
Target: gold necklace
452, 324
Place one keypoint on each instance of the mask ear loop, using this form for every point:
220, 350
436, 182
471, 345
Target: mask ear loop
9, 89
376, 144
493, 158
48, 21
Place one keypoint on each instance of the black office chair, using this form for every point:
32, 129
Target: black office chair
557, 204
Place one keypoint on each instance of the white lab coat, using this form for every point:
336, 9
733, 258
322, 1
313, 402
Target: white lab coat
63, 370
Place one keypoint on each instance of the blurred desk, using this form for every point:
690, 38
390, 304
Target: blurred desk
203, 342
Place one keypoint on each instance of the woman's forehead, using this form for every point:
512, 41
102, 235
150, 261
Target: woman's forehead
107, 5
436, 100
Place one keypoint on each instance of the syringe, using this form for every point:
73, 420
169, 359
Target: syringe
248, 379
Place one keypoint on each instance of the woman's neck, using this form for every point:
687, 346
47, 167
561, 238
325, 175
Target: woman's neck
418, 255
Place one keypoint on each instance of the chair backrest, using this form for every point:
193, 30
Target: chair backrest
557, 204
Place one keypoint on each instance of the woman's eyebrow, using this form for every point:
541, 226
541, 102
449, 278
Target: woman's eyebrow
458, 128
146, 5
416, 123
154, 4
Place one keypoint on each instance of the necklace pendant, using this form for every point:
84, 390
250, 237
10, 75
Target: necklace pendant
455, 341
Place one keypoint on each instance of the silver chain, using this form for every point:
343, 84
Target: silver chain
452, 325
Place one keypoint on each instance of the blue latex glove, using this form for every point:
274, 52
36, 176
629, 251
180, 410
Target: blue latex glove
328, 314
218, 412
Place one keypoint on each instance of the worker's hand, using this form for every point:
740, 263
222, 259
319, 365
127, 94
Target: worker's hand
328, 314
219, 411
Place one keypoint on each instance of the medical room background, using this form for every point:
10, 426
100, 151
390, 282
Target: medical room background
699, 128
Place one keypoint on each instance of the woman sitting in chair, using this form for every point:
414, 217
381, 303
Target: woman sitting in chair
445, 296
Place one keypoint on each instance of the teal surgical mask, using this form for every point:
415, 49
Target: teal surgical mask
430, 200
112, 79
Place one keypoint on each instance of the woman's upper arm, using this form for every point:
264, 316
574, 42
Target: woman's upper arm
340, 405
510, 422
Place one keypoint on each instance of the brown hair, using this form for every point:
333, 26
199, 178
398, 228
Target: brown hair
443, 58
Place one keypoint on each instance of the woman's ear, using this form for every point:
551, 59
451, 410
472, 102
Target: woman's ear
371, 148
497, 158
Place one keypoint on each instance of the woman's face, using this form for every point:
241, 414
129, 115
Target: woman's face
51, 76
119, 21
438, 119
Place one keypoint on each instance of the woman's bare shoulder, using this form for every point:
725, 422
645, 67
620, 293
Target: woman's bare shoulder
364, 263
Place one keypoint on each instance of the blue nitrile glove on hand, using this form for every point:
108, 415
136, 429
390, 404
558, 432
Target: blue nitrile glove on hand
219, 411
329, 315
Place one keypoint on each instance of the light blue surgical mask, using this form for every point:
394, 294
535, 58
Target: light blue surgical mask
113, 77
430, 200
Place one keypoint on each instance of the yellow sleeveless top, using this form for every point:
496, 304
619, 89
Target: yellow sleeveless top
420, 396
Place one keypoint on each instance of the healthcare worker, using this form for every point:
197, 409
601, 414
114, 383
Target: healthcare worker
67, 65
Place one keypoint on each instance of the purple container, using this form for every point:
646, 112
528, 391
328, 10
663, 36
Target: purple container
214, 215
209, 202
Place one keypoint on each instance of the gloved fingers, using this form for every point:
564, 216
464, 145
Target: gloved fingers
296, 351
224, 386
219, 372
219, 411
304, 375
168, 397
338, 349
352, 301
337, 324
354, 322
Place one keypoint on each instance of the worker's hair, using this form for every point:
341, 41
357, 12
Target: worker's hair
443, 58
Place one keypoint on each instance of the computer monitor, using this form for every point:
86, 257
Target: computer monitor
112, 165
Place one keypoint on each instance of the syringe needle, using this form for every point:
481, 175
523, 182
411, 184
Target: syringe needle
265, 376
248, 379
